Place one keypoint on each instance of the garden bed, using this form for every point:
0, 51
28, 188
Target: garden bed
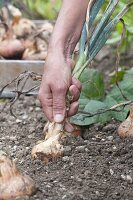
93, 167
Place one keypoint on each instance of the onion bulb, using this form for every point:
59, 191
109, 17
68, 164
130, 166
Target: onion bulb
51, 147
12, 183
11, 49
126, 127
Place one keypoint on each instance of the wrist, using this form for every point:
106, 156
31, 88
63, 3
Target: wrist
60, 47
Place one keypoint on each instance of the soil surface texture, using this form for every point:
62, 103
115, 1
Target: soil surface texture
96, 166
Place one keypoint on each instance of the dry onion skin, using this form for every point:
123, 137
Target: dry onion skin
12, 183
126, 127
51, 148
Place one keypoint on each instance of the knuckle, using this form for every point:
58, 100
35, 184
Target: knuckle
60, 88
58, 105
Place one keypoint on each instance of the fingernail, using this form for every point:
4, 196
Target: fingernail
58, 118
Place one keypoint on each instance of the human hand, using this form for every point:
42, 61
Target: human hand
56, 82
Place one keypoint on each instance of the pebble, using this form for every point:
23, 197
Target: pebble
97, 193
109, 127
30, 136
14, 147
114, 147
18, 121
111, 172
25, 116
78, 179
32, 130
110, 138
13, 138
127, 178
65, 159
80, 149
67, 151
37, 109
86, 149
31, 109
37, 102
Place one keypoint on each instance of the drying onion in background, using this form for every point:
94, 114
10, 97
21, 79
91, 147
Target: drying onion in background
12, 182
126, 128
11, 48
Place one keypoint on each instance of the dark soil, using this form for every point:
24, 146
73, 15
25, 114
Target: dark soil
97, 166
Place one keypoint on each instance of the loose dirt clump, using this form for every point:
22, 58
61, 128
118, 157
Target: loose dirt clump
97, 166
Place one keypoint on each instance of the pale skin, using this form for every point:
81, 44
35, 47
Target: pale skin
57, 77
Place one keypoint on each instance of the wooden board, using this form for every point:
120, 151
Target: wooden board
9, 69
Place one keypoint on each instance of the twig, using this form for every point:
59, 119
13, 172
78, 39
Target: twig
101, 111
22, 78
118, 57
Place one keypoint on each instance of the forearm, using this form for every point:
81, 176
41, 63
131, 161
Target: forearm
68, 26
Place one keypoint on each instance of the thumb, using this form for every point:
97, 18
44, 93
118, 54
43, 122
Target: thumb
59, 106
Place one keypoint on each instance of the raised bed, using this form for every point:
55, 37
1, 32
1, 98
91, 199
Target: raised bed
9, 69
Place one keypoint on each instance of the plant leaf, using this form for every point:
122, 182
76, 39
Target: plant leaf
113, 98
92, 84
105, 33
92, 107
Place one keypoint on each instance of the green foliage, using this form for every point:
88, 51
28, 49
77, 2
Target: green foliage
117, 75
94, 105
92, 84
44, 9
115, 96
100, 35
116, 34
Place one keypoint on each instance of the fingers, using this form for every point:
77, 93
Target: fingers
75, 93
76, 83
45, 97
59, 103
73, 109
68, 127
75, 89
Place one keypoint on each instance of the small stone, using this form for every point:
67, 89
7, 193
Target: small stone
65, 159
114, 147
129, 179
16, 142
13, 138
25, 116
80, 149
123, 177
97, 193
37, 102
37, 109
14, 147
18, 121
32, 130
110, 138
64, 196
72, 177
31, 109
109, 127
86, 150
30, 136
111, 172
78, 179
67, 151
